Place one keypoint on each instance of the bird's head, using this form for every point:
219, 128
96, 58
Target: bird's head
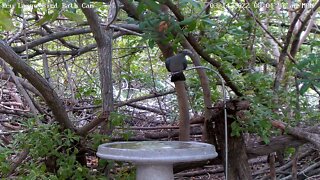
186, 52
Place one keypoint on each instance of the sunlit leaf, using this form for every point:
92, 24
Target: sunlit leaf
46, 18
54, 15
6, 20
73, 17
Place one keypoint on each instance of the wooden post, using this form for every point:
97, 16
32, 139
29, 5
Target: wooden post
184, 119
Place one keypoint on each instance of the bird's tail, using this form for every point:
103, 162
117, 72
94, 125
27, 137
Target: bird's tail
178, 77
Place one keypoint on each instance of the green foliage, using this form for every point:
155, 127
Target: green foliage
51, 10
44, 141
236, 129
48, 17
259, 86
73, 17
70, 168
97, 139
261, 110
118, 119
290, 151
151, 24
5, 153
125, 174
153, 18
257, 121
149, 4
6, 20
196, 94
86, 91
196, 5
310, 67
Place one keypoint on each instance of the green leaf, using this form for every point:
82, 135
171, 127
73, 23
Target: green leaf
192, 26
59, 4
18, 9
73, 17
151, 43
47, 17
97, 102
141, 8
187, 21
208, 22
117, 119
6, 20
315, 43
190, 23
152, 5
54, 15
193, 3
266, 139
236, 130
304, 88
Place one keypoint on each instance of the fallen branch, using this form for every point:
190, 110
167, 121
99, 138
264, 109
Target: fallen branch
277, 143
144, 98
200, 172
311, 134
154, 110
154, 128
304, 173
305, 135
284, 167
15, 112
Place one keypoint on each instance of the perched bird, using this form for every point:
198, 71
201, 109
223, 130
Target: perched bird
176, 64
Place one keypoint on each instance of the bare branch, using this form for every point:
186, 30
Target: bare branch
296, 40
50, 96
50, 37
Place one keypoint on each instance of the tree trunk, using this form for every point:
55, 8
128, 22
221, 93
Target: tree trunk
104, 44
238, 166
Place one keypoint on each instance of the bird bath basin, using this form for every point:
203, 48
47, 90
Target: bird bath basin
155, 159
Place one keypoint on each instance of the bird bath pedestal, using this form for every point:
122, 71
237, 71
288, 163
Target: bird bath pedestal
155, 159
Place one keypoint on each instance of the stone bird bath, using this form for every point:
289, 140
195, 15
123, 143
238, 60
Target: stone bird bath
154, 159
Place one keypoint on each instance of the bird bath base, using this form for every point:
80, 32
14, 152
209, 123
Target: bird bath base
155, 159
154, 172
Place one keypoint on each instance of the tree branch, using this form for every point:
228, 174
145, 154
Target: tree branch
296, 40
48, 93
50, 37
280, 66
